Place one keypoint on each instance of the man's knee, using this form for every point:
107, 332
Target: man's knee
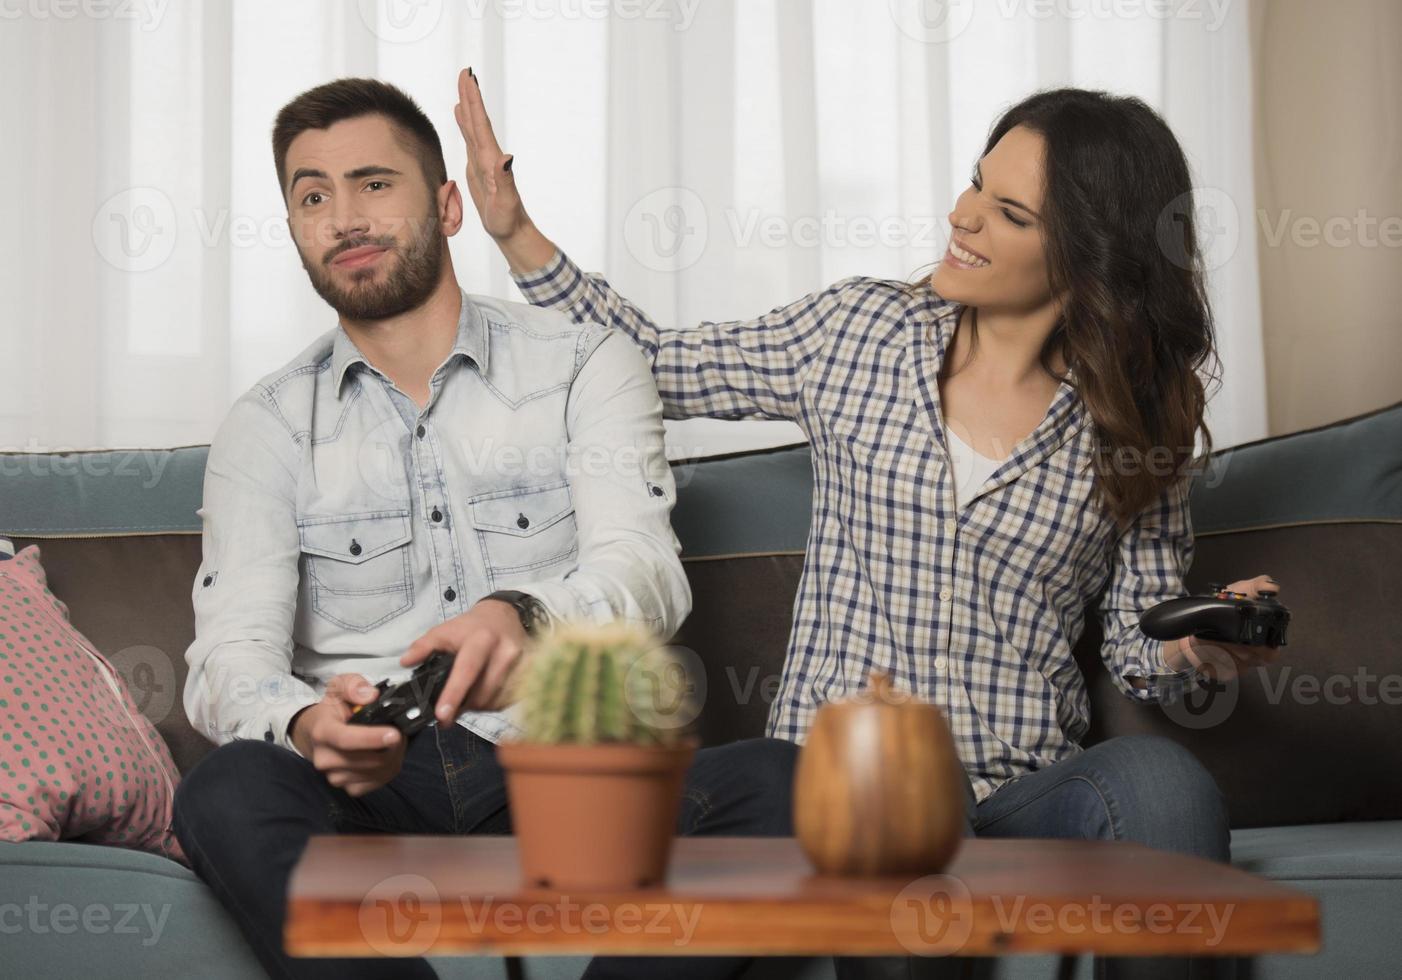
221, 784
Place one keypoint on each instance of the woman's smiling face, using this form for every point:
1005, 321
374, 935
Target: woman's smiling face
996, 257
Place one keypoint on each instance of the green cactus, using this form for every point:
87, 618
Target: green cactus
585, 683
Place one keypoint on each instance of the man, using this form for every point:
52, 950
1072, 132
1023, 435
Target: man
440, 472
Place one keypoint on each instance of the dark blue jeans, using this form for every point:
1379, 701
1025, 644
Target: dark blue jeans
244, 815
1142, 788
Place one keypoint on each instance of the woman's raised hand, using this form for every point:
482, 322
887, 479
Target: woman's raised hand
492, 185
489, 179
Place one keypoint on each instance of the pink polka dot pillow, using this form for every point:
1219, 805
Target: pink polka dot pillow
78, 759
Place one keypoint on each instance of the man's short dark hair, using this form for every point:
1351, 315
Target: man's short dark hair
351, 98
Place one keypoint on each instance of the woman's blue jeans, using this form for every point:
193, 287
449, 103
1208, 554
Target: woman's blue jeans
1142, 788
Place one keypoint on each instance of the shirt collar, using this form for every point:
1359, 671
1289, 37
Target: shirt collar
471, 343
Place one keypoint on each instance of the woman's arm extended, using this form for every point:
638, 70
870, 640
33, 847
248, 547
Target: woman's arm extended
740, 369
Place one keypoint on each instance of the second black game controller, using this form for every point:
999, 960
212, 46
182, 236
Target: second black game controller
408, 705
1222, 615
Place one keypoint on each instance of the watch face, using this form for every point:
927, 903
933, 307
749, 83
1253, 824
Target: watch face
533, 611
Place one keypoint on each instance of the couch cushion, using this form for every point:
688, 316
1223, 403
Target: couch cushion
78, 759
1366, 850
130, 596
110, 491
136, 915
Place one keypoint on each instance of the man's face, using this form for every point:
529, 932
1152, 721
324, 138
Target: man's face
364, 220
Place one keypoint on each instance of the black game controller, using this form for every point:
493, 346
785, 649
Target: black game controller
1227, 617
408, 705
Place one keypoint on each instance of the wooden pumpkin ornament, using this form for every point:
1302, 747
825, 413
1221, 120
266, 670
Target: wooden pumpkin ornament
879, 788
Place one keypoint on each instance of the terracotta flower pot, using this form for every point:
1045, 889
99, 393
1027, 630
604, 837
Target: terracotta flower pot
594, 817
879, 788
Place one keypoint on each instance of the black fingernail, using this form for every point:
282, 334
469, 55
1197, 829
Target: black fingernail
469, 72
507, 165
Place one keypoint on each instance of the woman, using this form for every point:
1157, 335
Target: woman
993, 448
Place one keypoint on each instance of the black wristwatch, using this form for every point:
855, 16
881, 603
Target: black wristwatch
534, 616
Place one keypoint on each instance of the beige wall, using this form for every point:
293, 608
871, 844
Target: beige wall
1328, 90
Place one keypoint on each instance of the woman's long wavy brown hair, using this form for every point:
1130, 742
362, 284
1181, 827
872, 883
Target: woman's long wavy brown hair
1121, 242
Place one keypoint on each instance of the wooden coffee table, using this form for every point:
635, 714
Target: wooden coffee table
409, 896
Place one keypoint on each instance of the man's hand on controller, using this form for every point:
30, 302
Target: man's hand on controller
1224, 661
356, 758
487, 643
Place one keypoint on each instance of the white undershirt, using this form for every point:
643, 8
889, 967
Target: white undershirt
971, 469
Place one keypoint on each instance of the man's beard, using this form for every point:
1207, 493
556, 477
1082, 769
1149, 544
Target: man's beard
405, 288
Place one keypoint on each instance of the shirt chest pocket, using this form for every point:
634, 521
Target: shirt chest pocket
525, 531
357, 567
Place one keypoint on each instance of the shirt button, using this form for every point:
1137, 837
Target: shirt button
522, 521
951, 525
941, 663
437, 514
420, 432
450, 595
946, 594
354, 547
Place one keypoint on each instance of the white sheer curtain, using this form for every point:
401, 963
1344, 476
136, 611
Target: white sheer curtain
715, 157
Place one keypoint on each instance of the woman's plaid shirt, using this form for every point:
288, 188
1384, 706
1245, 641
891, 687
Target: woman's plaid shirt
976, 609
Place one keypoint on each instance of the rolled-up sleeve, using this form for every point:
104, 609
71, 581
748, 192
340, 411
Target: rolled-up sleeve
240, 683
629, 563
1148, 565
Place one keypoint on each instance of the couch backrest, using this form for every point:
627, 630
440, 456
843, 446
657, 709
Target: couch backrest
1311, 739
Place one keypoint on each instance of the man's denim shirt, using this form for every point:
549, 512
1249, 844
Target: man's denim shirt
342, 522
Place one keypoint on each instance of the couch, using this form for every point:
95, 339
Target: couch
1308, 751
